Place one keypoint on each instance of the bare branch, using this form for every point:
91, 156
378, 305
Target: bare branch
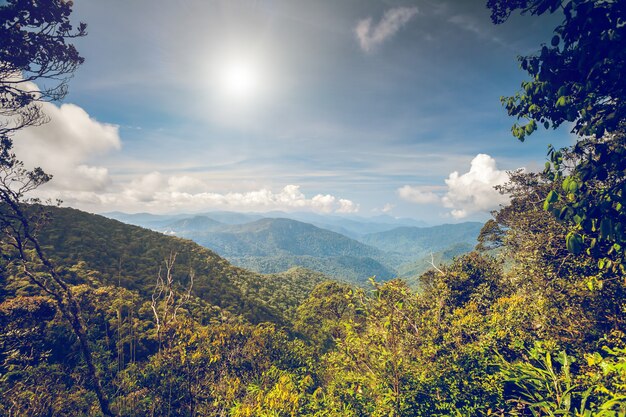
432, 262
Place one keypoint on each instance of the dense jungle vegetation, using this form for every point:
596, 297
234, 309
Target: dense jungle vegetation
101, 318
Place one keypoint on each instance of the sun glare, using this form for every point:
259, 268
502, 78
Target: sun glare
239, 80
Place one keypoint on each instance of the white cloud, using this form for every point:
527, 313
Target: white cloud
154, 192
473, 191
465, 194
370, 36
466, 22
388, 208
323, 203
185, 183
347, 206
470, 24
64, 145
144, 188
419, 194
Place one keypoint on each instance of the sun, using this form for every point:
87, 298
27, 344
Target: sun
239, 80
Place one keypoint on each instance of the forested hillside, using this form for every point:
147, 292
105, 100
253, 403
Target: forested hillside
273, 237
411, 271
130, 257
408, 243
356, 270
273, 245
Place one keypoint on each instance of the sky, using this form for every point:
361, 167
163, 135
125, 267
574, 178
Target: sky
344, 107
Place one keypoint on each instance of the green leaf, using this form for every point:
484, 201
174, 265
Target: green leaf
551, 198
606, 228
555, 40
574, 242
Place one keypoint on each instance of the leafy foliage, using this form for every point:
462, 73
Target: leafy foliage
35, 48
547, 384
592, 198
578, 78
334, 350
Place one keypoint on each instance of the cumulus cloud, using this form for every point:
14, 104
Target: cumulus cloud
155, 192
144, 188
474, 191
370, 36
64, 145
464, 194
185, 183
419, 195
347, 206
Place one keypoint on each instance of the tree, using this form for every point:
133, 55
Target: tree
580, 79
591, 197
18, 229
34, 50
320, 316
579, 301
167, 300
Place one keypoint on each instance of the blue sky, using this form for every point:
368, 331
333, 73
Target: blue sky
349, 107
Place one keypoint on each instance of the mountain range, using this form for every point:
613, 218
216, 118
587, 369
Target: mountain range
353, 226
383, 247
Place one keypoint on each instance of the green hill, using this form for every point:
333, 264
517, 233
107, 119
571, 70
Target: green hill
191, 224
130, 256
345, 268
274, 245
406, 244
268, 237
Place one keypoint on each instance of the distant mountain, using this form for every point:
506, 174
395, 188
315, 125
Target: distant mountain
352, 226
410, 243
146, 220
273, 245
276, 236
160, 221
190, 225
231, 217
